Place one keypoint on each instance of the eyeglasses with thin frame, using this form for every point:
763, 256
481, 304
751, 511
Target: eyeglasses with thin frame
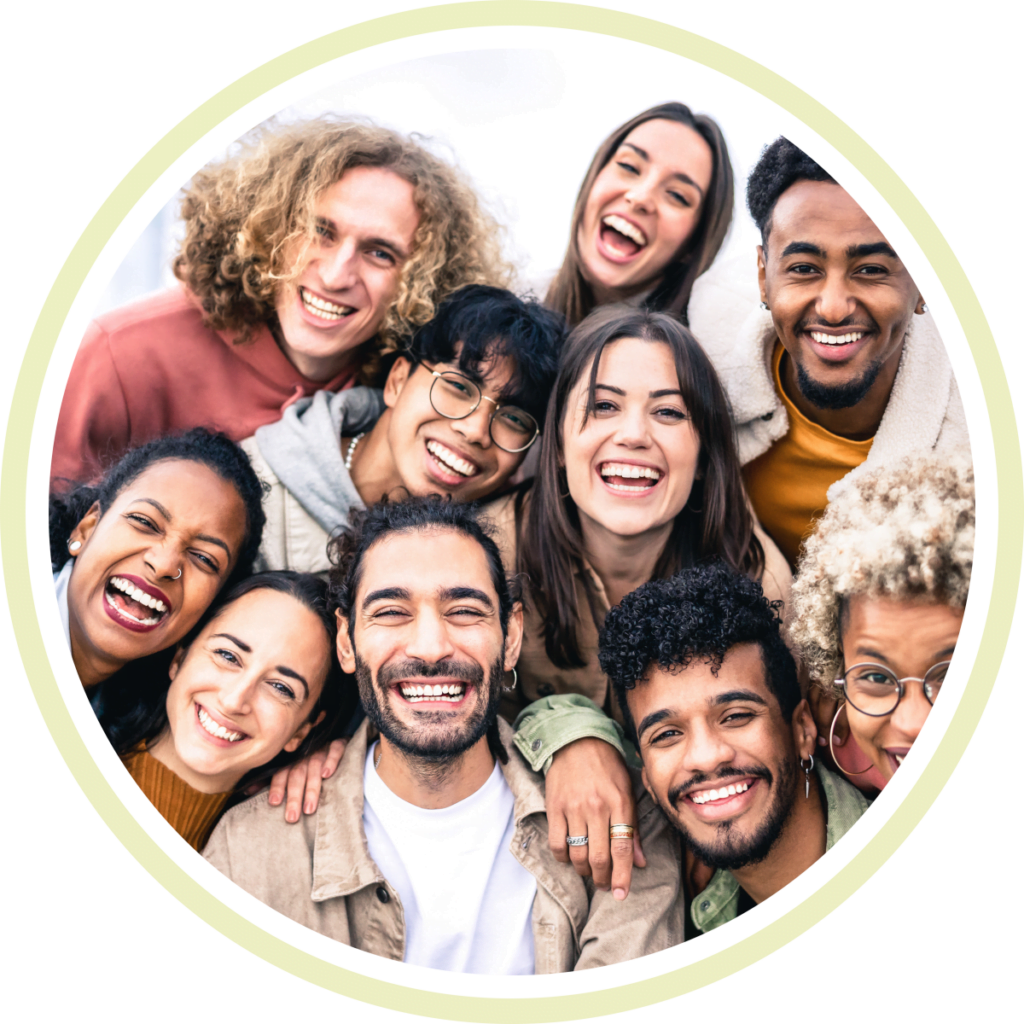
454, 396
875, 690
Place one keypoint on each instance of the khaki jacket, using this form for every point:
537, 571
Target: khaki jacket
319, 873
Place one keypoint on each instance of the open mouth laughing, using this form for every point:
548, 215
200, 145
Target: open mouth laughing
321, 308
724, 800
214, 728
629, 478
621, 238
447, 465
135, 604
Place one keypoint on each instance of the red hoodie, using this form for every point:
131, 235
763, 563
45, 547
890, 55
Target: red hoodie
152, 368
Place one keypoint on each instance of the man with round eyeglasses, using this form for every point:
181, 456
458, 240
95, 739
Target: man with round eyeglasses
460, 408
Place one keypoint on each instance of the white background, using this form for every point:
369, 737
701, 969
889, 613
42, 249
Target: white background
522, 124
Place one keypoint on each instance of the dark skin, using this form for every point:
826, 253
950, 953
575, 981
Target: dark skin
827, 270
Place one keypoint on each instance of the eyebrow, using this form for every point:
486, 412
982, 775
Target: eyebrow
675, 174
852, 251
651, 394
466, 593
241, 644
202, 536
870, 652
652, 719
386, 594
802, 249
292, 674
728, 698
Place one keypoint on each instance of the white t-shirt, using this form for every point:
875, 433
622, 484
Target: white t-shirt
60, 586
468, 902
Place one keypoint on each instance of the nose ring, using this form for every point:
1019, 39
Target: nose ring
178, 577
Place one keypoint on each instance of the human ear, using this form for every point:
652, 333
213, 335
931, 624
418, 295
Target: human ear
393, 386
761, 258
647, 785
346, 652
921, 307
83, 531
179, 657
302, 732
805, 731
514, 636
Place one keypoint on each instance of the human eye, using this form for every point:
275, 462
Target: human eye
605, 405
389, 614
457, 385
666, 734
627, 166
323, 230
466, 614
383, 256
228, 655
206, 562
680, 198
737, 717
281, 688
872, 270
803, 269
141, 521
672, 413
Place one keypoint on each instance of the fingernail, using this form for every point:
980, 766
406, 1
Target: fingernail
822, 741
325, 774
291, 816
274, 799
309, 807
619, 894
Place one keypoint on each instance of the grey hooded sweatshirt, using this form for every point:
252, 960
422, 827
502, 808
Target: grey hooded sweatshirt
311, 493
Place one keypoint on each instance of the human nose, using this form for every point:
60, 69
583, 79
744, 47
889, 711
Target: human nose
633, 429
476, 427
912, 710
706, 750
337, 266
640, 194
428, 639
235, 697
164, 559
835, 300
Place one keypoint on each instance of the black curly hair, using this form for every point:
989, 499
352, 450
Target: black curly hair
491, 323
207, 447
700, 613
781, 165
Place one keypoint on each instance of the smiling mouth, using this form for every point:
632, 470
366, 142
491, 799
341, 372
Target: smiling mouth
321, 308
642, 478
215, 729
450, 693
133, 604
837, 339
707, 796
449, 460
622, 236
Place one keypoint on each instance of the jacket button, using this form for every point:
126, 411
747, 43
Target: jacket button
536, 745
703, 906
382, 894
768, 415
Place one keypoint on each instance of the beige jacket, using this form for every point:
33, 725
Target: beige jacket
538, 676
319, 872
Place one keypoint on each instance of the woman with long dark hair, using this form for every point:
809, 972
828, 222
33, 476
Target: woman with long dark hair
650, 216
139, 557
638, 478
254, 687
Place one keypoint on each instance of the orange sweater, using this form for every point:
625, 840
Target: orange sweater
190, 813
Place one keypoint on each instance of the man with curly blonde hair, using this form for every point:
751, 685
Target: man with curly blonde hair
315, 248
877, 606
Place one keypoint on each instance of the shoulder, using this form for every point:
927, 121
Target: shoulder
173, 309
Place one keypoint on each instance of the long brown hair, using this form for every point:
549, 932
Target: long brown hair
715, 520
570, 293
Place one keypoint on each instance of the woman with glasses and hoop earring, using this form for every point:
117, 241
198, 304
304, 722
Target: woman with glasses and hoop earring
878, 601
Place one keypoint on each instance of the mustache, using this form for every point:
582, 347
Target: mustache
700, 780
848, 323
468, 671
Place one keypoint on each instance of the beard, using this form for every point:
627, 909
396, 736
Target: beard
444, 736
837, 396
732, 850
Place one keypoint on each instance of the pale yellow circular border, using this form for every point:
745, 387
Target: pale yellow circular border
910, 928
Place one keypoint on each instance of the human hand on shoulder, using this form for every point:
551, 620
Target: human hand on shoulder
301, 781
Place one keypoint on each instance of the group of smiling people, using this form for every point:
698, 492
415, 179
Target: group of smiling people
461, 626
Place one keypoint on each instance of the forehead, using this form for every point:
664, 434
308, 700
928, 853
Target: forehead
494, 373
634, 365
674, 147
823, 213
372, 199
187, 490
900, 629
266, 618
426, 562
694, 689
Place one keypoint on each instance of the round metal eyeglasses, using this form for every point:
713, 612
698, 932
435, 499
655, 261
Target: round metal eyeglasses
454, 396
875, 690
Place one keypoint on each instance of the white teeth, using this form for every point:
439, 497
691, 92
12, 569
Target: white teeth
841, 339
623, 226
120, 611
450, 459
899, 760
214, 729
322, 308
130, 590
630, 472
704, 796
450, 692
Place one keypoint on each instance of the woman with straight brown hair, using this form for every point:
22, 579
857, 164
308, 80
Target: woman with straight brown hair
650, 216
638, 478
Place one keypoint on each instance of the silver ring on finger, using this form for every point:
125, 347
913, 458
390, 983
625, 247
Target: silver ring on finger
576, 840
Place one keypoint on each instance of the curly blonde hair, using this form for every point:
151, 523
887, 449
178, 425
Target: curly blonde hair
244, 215
903, 531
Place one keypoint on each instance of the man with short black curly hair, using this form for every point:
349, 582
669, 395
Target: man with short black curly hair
711, 694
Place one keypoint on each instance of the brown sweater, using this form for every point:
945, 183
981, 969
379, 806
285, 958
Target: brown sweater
190, 813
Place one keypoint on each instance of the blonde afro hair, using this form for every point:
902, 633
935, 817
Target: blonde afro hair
904, 531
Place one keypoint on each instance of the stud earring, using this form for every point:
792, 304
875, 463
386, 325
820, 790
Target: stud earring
515, 682
924, 307
807, 775
764, 305
74, 545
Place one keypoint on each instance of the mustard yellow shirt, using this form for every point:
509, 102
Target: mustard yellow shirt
788, 484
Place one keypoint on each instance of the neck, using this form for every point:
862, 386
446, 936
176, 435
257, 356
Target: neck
319, 369
373, 471
800, 844
92, 666
859, 422
604, 296
163, 749
433, 784
622, 563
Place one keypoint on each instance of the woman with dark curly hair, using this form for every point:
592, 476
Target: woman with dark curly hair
255, 686
315, 248
139, 558
650, 216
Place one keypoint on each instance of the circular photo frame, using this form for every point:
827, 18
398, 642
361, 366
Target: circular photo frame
897, 889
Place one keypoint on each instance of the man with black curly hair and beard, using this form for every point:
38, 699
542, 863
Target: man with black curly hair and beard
710, 692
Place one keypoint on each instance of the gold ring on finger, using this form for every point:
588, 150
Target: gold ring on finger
621, 832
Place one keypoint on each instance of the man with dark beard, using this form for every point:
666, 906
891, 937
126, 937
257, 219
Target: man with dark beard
430, 842
710, 691
841, 367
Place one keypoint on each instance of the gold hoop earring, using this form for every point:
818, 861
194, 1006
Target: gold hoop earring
831, 750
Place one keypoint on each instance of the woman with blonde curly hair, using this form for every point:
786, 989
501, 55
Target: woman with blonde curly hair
878, 601
313, 249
